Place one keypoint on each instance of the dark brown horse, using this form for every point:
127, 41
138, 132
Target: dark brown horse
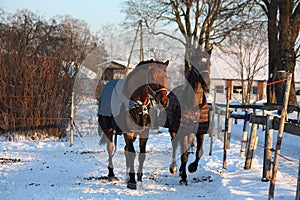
125, 108
188, 114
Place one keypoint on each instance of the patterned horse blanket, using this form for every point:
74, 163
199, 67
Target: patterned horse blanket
185, 118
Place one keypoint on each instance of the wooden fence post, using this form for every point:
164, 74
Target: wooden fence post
229, 132
298, 184
226, 129
264, 114
251, 147
212, 122
235, 120
266, 176
280, 135
220, 123
245, 135
72, 120
211, 130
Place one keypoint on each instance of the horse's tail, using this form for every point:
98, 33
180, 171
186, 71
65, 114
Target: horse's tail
103, 141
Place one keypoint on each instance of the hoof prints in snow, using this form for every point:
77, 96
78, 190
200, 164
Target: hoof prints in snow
9, 160
202, 179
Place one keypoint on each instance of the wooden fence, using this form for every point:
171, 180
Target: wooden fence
269, 123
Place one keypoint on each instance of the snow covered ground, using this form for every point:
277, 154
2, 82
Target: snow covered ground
54, 170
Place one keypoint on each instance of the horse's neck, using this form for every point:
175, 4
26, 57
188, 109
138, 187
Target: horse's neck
199, 97
140, 95
195, 97
136, 87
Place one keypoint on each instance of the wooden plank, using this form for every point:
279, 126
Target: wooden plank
251, 147
266, 176
257, 119
288, 127
251, 106
237, 116
261, 107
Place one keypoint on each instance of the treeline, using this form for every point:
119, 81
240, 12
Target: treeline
39, 60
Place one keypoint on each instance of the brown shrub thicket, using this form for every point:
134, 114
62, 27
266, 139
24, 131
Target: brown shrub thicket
39, 60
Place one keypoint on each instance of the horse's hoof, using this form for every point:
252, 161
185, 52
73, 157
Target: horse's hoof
111, 178
139, 176
193, 167
183, 182
173, 168
131, 185
111, 174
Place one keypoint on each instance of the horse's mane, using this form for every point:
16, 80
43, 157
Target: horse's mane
194, 77
144, 65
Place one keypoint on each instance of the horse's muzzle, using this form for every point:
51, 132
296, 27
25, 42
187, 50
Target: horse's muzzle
164, 103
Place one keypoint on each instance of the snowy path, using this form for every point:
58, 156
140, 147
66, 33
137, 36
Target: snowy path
53, 170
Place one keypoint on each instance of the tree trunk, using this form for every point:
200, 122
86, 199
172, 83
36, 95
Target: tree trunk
281, 50
286, 53
272, 38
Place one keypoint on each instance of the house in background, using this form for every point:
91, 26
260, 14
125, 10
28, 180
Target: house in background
113, 69
224, 75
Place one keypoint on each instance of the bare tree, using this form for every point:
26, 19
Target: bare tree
37, 60
248, 51
201, 23
283, 33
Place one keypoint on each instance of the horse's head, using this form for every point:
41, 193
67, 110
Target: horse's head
147, 79
200, 71
156, 81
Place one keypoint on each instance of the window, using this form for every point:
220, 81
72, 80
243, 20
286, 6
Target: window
254, 90
219, 89
238, 89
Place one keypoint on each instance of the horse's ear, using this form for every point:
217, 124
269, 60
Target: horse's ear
166, 63
210, 50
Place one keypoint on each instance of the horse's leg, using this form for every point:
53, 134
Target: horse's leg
174, 141
184, 144
130, 156
142, 156
110, 147
199, 152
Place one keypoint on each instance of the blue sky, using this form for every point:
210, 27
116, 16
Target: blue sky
95, 12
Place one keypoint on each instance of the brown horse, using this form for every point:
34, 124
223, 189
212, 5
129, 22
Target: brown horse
188, 114
125, 108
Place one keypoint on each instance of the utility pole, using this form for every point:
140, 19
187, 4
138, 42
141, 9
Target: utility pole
139, 28
141, 41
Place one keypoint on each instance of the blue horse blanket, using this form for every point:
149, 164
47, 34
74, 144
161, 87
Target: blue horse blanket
112, 98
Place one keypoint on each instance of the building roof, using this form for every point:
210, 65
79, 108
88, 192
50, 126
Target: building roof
116, 64
223, 66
